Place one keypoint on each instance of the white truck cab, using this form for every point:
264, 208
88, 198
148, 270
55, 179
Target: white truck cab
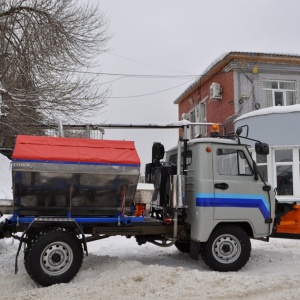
226, 200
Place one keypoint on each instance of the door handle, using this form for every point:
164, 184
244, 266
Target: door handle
221, 186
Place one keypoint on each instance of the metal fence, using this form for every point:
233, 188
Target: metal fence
79, 131
89, 131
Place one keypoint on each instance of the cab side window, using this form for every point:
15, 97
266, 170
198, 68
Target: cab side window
232, 162
173, 158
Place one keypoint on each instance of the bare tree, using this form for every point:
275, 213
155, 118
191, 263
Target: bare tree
45, 49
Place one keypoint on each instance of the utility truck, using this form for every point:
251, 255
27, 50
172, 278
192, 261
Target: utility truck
205, 196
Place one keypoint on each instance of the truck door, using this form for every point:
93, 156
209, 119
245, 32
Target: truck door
238, 196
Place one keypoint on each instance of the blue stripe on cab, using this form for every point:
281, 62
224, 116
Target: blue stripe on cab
234, 200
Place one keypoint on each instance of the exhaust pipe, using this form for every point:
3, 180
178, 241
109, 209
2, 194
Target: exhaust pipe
177, 191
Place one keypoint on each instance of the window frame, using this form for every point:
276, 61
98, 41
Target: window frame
284, 92
173, 158
238, 162
196, 115
261, 164
288, 163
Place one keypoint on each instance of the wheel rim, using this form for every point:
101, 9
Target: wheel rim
56, 258
226, 248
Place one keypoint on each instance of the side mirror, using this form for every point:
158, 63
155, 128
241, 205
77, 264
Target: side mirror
239, 131
158, 152
262, 148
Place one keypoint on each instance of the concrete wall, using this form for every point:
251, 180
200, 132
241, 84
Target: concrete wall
247, 84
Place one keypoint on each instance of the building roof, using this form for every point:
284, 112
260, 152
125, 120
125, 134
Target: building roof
224, 59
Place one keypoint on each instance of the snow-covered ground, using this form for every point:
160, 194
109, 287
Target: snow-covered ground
117, 268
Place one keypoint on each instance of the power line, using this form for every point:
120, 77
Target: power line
137, 75
147, 76
157, 92
147, 64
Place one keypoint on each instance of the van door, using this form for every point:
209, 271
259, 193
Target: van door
238, 196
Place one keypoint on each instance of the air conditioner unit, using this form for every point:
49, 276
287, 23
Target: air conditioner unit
215, 91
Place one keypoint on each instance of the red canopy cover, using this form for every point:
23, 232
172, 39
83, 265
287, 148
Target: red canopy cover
42, 148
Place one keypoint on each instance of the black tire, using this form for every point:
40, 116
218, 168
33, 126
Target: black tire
227, 249
55, 256
183, 246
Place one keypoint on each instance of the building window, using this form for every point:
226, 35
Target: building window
193, 117
279, 93
261, 161
284, 171
202, 117
198, 115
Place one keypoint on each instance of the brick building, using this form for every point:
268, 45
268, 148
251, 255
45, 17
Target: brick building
260, 90
237, 83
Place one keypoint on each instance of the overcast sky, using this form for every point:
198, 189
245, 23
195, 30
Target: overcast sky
180, 38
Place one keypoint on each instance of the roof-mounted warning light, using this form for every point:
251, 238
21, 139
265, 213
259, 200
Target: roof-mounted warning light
214, 130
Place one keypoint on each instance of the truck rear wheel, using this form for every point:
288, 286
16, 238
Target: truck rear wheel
227, 249
55, 256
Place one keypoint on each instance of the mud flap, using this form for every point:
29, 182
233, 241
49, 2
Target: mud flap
194, 250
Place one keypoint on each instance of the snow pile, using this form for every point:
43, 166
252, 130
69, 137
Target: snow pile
271, 110
117, 268
5, 178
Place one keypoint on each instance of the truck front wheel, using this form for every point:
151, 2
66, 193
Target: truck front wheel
55, 256
227, 249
